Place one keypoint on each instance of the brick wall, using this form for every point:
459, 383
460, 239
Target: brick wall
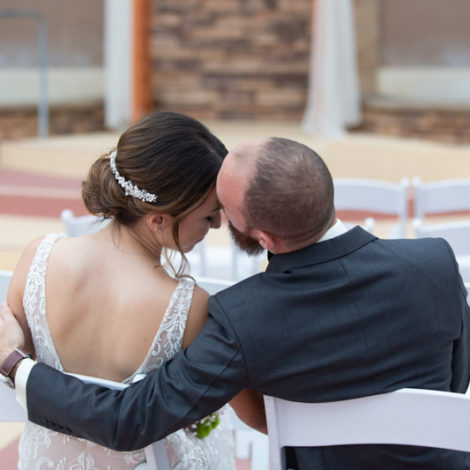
20, 122
444, 124
248, 59
231, 58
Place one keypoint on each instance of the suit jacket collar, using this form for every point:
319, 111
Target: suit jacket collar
322, 252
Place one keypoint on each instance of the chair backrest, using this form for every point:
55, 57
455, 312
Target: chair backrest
440, 197
221, 261
82, 225
456, 233
408, 416
458, 236
373, 197
212, 285
5, 277
245, 265
11, 411
227, 262
368, 224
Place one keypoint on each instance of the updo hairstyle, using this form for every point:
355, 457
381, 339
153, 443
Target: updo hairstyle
168, 154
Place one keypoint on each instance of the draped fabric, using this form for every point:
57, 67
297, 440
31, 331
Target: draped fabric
334, 98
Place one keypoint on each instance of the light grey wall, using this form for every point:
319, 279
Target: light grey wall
75, 33
425, 33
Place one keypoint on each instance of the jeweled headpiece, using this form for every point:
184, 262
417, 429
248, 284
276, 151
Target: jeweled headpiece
130, 188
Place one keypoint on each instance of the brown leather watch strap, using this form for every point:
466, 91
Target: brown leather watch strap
10, 362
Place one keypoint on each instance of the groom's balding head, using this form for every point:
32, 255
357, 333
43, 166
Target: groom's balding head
277, 186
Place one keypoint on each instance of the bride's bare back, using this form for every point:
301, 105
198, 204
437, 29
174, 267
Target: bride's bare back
105, 304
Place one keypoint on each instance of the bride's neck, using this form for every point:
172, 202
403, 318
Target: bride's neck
134, 241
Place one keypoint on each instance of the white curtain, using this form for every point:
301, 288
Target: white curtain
334, 98
118, 54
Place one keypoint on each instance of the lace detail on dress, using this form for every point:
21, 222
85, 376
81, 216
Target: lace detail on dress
42, 448
34, 304
169, 338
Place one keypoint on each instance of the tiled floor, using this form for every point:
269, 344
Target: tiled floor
40, 178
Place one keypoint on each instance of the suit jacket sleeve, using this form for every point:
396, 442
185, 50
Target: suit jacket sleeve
196, 382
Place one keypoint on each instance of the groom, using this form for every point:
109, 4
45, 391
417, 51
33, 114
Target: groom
337, 314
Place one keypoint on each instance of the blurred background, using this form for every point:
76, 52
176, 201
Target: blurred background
109, 62
380, 88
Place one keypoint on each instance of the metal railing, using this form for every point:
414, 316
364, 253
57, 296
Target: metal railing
43, 104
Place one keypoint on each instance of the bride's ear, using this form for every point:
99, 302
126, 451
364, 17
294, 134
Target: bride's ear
157, 222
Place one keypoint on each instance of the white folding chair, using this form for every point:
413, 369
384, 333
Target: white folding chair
11, 411
458, 236
224, 262
5, 277
374, 197
440, 197
368, 224
213, 285
408, 416
250, 444
445, 197
81, 225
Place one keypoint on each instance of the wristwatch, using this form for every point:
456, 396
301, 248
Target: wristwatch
9, 364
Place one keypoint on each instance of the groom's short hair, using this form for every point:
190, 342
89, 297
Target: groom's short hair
290, 193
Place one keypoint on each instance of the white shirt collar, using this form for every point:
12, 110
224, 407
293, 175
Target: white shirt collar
338, 229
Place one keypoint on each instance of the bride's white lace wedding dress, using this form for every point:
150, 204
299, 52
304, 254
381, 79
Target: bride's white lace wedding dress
42, 449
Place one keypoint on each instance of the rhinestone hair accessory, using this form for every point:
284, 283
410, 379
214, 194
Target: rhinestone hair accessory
130, 189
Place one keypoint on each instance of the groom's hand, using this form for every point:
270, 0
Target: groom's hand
11, 334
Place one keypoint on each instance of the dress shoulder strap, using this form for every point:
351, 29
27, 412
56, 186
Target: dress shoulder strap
34, 302
169, 337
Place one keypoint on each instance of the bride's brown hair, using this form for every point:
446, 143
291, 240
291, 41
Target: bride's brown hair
168, 154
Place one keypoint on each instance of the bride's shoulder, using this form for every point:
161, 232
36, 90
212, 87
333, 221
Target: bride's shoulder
26, 260
30, 251
33, 246
74, 256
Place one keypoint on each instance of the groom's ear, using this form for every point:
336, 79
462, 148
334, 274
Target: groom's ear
268, 240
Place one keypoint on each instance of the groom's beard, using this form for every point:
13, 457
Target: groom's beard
244, 242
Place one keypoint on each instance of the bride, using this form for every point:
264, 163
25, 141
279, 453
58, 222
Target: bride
111, 304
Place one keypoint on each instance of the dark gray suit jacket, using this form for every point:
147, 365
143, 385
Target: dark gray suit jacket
351, 316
